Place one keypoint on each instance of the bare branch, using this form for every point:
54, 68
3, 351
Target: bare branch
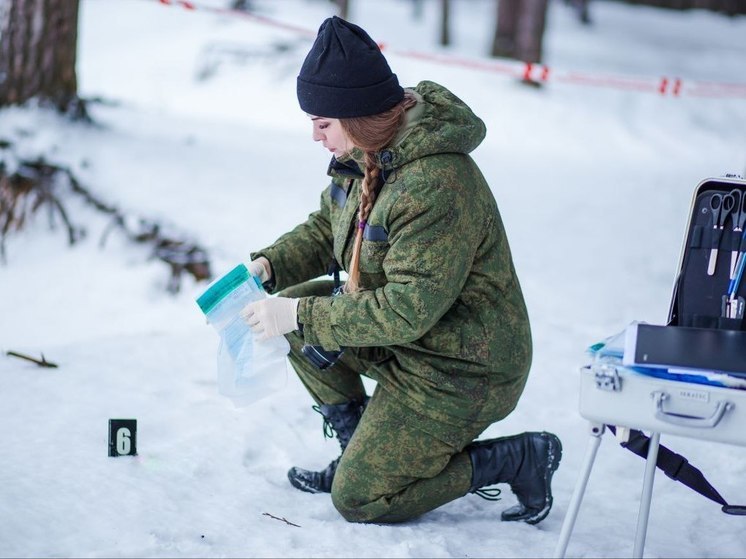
36, 184
283, 519
42, 363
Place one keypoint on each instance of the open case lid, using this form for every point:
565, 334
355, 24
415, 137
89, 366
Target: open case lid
708, 290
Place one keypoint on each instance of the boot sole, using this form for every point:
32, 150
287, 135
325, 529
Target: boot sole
295, 481
553, 460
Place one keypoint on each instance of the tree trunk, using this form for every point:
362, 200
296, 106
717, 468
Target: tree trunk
242, 5
503, 44
417, 9
38, 48
530, 33
344, 8
445, 22
520, 29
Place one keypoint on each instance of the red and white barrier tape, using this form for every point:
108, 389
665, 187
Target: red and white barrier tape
242, 14
537, 73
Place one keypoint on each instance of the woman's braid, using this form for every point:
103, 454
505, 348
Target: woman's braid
368, 193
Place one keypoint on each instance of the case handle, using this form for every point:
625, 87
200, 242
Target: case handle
686, 420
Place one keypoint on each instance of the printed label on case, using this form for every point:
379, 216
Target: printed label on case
696, 395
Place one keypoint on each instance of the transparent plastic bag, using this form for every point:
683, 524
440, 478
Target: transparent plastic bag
248, 369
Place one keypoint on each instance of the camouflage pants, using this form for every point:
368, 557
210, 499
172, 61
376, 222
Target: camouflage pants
399, 464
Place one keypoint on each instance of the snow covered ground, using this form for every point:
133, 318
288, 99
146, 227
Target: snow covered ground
594, 185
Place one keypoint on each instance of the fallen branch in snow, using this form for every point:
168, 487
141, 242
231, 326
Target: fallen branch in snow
22, 193
34, 183
42, 363
283, 519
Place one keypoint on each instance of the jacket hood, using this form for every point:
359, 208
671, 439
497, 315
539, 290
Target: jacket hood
440, 122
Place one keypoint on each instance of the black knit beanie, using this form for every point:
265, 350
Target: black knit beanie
345, 75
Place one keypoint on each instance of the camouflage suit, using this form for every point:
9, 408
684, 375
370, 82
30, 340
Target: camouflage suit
440, 323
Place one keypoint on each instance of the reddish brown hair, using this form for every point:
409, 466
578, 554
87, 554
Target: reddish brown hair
371, 134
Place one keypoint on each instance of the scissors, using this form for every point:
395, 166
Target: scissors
720, 206
739, 220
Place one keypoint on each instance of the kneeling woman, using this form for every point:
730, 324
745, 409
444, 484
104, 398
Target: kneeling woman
432, 309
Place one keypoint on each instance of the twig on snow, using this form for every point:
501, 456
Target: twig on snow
42, 363
283, 519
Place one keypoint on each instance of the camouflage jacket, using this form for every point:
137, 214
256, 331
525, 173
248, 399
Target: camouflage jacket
439, 290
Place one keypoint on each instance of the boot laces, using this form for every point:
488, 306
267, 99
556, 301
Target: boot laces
489, 494
327, 428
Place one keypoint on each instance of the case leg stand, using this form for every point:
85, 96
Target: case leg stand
647, 495
597, 431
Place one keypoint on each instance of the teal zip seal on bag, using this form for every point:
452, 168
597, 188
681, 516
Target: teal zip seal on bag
223, 287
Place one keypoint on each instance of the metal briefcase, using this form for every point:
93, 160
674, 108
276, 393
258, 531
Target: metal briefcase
616, 395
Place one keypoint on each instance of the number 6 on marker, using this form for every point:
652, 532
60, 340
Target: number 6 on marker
123, 440
122, 437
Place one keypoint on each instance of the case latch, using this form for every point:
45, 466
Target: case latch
607, 377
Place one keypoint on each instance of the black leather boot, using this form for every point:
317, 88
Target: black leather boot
526, 462
341, 419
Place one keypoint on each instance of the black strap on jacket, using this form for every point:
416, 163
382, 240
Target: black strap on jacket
678, 469
333, 270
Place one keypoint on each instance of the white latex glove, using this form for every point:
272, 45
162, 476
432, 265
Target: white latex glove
271, 317
260, 268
